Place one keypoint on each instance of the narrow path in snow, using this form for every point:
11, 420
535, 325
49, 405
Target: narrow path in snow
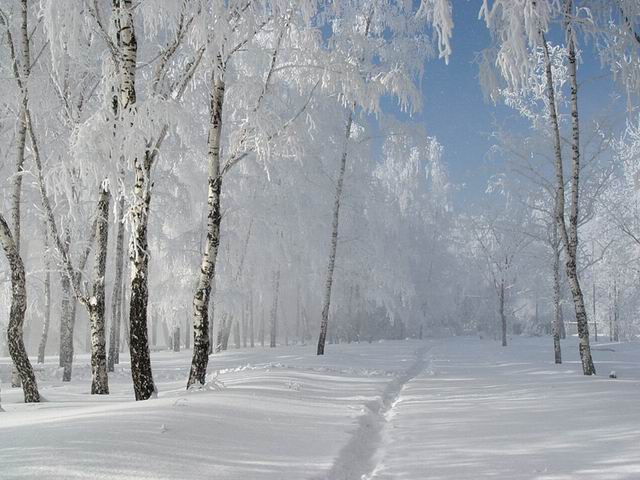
357, 459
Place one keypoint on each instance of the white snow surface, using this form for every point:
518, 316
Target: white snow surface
459, 408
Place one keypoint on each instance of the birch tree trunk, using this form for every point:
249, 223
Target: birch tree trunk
22, 78
251, 321
298, 311
124, 338
47, 299
187, 340
274, 310
557, 308
245, 321
141, 372
262, 325
503, 317
227, 325
334, 239
616, 330
16, 315
99, 378
212, 316
569, 238
116, 297
595, 318
236, 334
67, 318
176, 338
572, 243
202, 294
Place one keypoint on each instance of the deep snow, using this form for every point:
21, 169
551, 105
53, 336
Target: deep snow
461, 408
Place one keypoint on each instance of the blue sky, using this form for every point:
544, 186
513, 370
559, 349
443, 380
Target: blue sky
455, 112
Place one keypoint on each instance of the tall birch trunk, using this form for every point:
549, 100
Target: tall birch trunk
557, 308
176, 338
141, 372
202, 294
334, 238
99, 378
572, 242
595, 318
68, 309
16, 316
274, 310
262, 327
616, 314
212, 316
22, 78
236, 334
227, 325
187, 339
251, 321
298, 311
503, 317
569, 238
116, 297
245, 321
47, 299
124, 337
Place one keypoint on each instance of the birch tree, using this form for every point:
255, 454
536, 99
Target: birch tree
518, 27
244, 25
366, 24
16, 315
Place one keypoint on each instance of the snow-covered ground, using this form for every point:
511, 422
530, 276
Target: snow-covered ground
460, 408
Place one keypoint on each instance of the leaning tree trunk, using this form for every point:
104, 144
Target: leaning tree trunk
116, 297
557, 309
202, 294
99, 378
569, 238
17, 313
334, 239
47, 299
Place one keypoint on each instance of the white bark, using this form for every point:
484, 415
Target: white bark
99, 378
569, 236
202, 294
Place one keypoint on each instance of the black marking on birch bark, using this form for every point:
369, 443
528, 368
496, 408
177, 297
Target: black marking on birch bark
201, 298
